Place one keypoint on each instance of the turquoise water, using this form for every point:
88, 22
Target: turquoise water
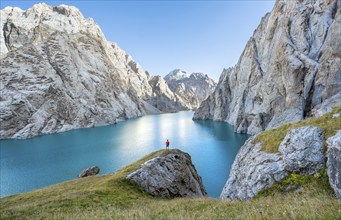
45, 160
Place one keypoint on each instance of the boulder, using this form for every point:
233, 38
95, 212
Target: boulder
334, 163
91, 171
253, 170
170, 175
302, 150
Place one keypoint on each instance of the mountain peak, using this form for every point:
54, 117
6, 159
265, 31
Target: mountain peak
199, 75
68, 10
61, 9
176, 75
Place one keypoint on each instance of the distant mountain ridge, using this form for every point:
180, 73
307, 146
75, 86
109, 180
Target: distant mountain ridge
193, 88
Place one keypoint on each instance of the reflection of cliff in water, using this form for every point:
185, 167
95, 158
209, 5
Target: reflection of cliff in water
221, 130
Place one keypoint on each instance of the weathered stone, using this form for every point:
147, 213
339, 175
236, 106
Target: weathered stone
91, 171
336, 115
289, 69
302, 150
334, 162
253, 170
170, 175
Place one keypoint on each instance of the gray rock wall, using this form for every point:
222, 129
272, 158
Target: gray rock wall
289, 69
58, 72
253, 170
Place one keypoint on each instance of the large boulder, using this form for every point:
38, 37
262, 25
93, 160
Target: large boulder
334, 163
301, 151
252, 171
90, 171
170, 175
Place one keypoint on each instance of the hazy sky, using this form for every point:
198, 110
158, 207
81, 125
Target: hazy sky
196, 36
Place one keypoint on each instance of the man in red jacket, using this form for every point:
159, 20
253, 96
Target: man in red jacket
167, 144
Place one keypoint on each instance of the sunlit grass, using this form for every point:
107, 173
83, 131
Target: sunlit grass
271, 139
113, 197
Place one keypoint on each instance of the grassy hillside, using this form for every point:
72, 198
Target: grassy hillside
113, 197
271, 139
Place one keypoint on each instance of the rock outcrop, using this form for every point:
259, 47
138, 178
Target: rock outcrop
90, 171
253, 170
170, 175
302, 150
192, 89
289, 69
334, 163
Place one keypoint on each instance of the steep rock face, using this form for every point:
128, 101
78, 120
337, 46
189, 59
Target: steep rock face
289, 69
58, 72
334, 163
193, 89
253, 170
163, 98
170, 175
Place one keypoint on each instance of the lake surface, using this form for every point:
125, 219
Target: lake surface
45, 160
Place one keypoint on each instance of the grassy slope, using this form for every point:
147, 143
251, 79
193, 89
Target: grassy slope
271, 139
113, 197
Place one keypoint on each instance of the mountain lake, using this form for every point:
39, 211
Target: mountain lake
49, 159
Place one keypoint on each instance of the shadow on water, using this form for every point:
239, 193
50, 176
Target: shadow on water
220, 130
49, 159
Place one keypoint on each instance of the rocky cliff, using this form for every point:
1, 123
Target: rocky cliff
290, 69
169, 175
58, 72
301, 151
192, 89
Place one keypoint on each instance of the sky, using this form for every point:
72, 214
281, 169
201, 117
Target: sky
195, 36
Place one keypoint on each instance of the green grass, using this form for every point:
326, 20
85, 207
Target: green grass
113, 197
271, 139
311, 184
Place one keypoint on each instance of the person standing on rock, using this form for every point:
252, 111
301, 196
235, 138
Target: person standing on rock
167, 144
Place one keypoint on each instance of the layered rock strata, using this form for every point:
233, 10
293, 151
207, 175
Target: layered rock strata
290, 69
58, 72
